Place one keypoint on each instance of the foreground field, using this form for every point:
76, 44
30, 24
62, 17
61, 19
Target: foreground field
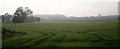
86, 34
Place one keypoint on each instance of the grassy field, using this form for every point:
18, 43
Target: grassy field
0, 35
85, 34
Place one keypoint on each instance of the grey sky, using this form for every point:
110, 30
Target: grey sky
66, 7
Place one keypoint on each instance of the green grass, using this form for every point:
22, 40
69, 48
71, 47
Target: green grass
85, 34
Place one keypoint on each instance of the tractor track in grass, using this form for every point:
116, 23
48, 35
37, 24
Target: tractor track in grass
102, 37
99, 37
106, 36
36, 41
52, 42
52, 35
33, 38
20, 41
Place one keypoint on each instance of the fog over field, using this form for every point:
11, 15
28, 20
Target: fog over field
59, 24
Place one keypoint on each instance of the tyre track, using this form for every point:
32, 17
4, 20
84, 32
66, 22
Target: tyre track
35, 42
52, 42
102, 37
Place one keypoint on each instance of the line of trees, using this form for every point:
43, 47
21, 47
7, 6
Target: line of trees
6, 17
21, 15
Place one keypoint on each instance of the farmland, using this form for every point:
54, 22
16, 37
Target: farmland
85, 34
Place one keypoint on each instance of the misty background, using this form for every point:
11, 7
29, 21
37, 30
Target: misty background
78, 8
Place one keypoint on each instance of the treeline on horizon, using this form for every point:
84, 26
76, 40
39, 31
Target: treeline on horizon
62, 18
25, 15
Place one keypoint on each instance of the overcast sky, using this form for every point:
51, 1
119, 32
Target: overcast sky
66, 7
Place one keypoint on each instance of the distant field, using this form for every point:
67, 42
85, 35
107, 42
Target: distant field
85, 34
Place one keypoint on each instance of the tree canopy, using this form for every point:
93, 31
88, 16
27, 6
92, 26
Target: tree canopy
21, 14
